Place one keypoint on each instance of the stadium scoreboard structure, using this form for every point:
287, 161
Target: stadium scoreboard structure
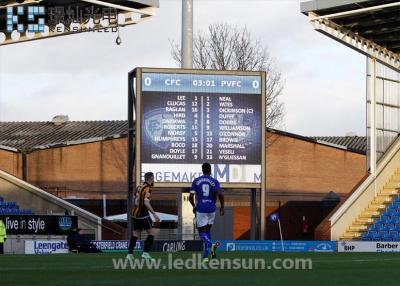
187, 117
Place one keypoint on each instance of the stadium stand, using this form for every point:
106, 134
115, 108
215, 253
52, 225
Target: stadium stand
18, 194
370, 210
380, 221
387, 226
12, 208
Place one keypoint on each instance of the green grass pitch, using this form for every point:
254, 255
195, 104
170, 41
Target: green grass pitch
97, 269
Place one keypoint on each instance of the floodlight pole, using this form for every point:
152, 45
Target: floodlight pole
186, 63
187, 34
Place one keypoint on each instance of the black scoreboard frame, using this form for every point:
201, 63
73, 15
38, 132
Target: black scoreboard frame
135, 78
134, 144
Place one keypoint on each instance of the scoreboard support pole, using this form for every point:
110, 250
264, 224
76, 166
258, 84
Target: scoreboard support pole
263, 162
253, 214
131, 150
262, 212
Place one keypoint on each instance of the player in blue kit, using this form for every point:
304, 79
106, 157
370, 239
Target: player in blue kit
206, 189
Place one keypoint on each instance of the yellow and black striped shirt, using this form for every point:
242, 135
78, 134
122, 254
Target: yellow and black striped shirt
140, 210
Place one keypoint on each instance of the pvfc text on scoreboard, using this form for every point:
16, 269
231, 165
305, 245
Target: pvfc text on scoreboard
189, 119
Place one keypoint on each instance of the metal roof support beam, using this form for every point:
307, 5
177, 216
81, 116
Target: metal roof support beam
15, 3
354, 41
372, 123
357, 11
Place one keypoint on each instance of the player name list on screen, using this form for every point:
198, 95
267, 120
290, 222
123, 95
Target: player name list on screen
189, 119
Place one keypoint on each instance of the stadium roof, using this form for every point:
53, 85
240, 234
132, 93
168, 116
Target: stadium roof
351, 142
371, 27
30, 136
357, 144
79, 14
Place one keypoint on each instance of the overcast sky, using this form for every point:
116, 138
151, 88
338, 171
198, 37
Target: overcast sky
85, 76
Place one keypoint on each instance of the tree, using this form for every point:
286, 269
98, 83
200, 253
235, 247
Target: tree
227, 47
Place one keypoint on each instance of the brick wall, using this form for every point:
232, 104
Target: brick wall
295, 165
294, 168
85, 170
11, 163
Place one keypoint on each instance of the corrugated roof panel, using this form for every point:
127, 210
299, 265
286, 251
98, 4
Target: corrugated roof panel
358, 143
26, 136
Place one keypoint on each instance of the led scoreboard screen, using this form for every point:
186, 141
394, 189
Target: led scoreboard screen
187, 117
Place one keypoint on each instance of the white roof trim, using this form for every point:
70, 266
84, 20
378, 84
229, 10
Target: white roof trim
12, 149
332, 144
76, 142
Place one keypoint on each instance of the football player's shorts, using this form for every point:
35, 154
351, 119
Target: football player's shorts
142, 223
204, 219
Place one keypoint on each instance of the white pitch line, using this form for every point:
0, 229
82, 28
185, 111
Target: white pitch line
357, 260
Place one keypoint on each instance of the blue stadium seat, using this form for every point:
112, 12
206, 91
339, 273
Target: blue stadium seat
374, 227
390, 207
366, 236
383, 228
12, 208
395, 211
391, 212
394, 235
374, 233
375, 236
385, 236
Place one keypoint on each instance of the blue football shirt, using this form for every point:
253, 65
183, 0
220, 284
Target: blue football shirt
206, 189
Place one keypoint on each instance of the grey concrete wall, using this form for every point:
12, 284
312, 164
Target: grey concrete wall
223, 225
15, 244
26, 200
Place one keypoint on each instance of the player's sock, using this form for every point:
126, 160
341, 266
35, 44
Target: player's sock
213, 248
209, 234
207, 243
148, 243
132, 244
